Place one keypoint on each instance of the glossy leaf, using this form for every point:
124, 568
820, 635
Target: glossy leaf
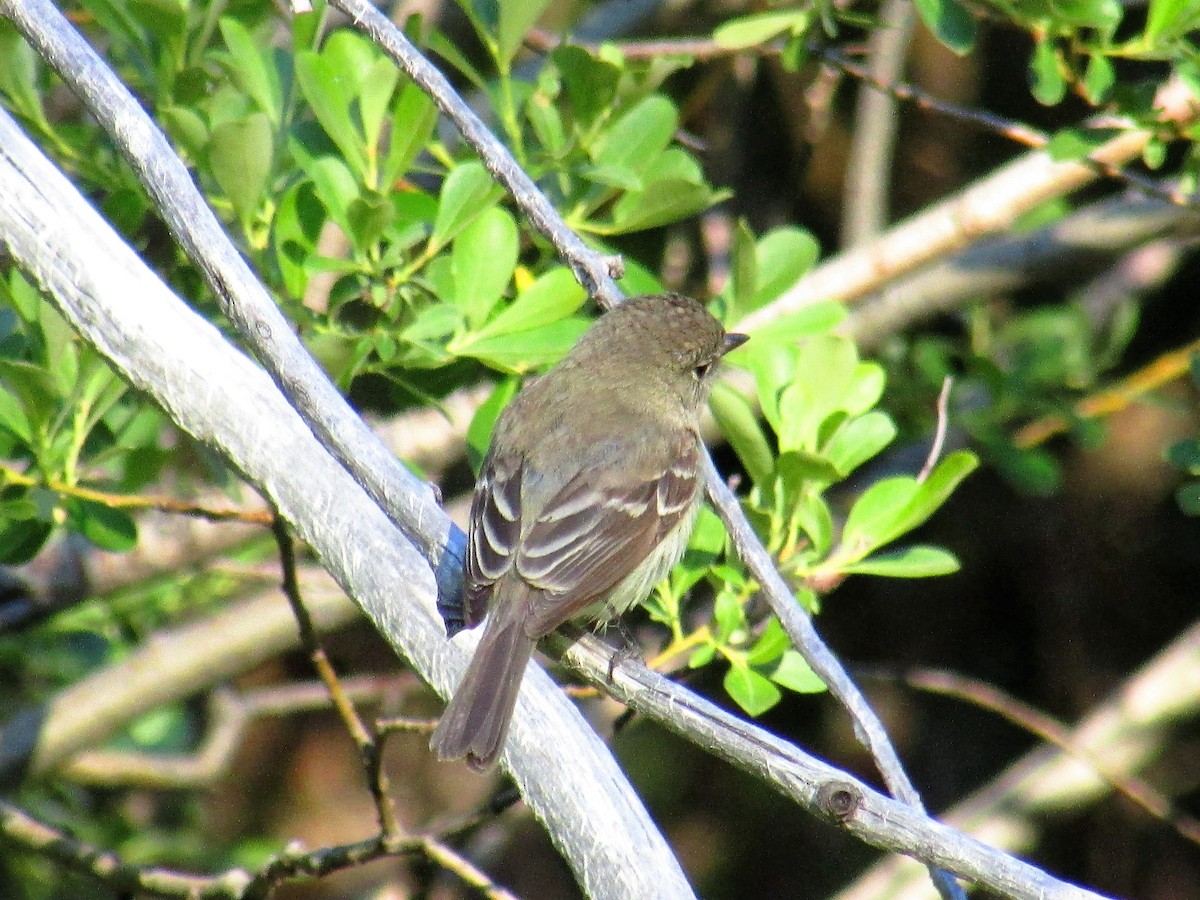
482, 260
414, 117
951, 22
467, 192
552, 297
590, 83
661, 203
522, 351
109, 529
750, 31
783, 256
753, 692
739, 424
875, 516
516, 18
793, 673
636, 139
858, 440
920, 561
1046, 78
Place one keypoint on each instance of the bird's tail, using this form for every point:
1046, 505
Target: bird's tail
475, 722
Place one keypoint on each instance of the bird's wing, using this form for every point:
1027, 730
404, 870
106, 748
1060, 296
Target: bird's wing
493, 533
599, 527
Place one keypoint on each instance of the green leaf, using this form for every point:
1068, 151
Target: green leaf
659, 204
818, 319
240, 154
795, 674
1170, 19
590, 83
522, 351
739, 424
21, 540
815, 518
374, 101
13, 417
516, 18
25, 298
951, 22
752, 692
750, 31
330, 92
482, 260
547, 124
369, 215
1099, 79
1046, 79
107, 528
744, 273
448, 50
728, 615
1188, 498
298, 222
1185, 455
250, 71
19, 66
637, 138
859, 440
1073, 144
876, 514
770, 646
479, 432
866, 388
335, 186
1033, 470
553, 296
795, 467
708, 534
936, 490
438, 321
783, 256
773, 365
702, 656
186, 128
467, 192
414, 117
920, 561
823, 376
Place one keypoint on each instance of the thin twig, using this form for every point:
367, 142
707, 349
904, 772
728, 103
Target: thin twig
454, 862
369, 750
1163, 370
1052, 731
19, 829
405, 724
138, 501
1128, 731
939, 432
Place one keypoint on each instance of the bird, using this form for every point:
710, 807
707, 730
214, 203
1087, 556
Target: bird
584, 501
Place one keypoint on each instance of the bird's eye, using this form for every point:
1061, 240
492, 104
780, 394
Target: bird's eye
702, 370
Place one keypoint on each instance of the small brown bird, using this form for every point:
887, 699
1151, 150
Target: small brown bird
585, 500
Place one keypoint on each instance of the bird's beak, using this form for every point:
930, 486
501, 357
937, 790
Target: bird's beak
732, 341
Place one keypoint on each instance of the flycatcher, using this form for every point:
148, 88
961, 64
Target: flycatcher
585, 501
